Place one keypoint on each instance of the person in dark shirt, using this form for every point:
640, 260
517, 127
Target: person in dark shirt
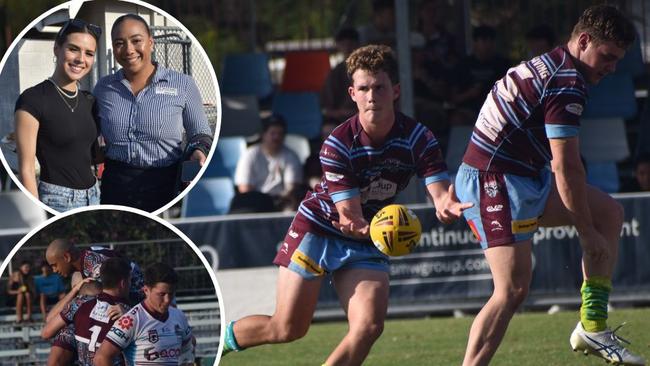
54, 123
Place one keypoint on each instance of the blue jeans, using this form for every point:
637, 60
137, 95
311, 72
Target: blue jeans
63, 199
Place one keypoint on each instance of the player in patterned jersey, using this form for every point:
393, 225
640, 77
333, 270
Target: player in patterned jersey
152, 333
366, 162
530, 118
65, 258
91, 317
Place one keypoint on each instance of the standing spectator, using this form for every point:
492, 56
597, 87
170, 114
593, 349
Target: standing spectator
540, 40
475, 76
641, 181
49, 287
381, 29
335, 100
269, 167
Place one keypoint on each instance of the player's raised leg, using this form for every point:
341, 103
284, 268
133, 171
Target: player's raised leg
592, 335
511, 274
295, 305
363, 295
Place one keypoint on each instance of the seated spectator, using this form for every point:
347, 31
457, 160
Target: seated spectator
641, 181
381, 29
49, 288
475, 75
269, 167
336, 102
20, 288
539, 40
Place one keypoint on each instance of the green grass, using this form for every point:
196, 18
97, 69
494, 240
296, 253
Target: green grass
532, 339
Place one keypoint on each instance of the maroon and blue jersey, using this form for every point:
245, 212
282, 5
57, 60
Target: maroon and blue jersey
355, 167
91, 262
536, 101
90, 321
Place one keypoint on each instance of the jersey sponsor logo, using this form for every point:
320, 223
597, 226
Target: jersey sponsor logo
494, 208
293, 234
540, 66
496, 226
334, 177
285, 248
166, 90
151, 354
524, 226
100, 312
125, 322
153, 336
118, 332
379, 190
491, 188
574, 108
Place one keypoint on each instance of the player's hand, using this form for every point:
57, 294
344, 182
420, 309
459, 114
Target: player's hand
115, 311
359, 228
594, 246
451, 208
77, 287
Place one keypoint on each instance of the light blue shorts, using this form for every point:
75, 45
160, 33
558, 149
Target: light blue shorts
506, 207
64, 199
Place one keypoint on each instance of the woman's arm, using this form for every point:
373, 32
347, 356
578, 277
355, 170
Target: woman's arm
26, 133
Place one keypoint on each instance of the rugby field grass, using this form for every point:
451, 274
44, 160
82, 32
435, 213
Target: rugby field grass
532, 339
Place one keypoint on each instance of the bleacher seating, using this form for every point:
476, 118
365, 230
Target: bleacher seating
246, 74
225, 158
210, 196
301, 111
19, 211
299, 145
240, 117
305, 71
603, 143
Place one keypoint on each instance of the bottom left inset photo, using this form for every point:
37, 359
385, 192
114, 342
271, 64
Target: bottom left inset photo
108, 286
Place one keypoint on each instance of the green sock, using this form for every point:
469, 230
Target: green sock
230, 343
595, 296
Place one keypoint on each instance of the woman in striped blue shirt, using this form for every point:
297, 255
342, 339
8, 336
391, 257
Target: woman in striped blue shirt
54, 123
143, 110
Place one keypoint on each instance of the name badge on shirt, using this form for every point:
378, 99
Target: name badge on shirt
166, 90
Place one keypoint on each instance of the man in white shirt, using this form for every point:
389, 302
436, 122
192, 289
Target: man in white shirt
269, 167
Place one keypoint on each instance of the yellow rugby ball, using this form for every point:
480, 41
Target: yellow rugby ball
395, 230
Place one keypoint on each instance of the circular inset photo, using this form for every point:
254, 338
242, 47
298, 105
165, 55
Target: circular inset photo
111, 102
109, 287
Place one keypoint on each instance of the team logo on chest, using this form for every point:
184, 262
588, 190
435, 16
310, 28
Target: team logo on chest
491, 188
153, 336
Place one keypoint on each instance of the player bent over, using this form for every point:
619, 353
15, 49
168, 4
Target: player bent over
152, 332
90, 317
530, 118
366, 162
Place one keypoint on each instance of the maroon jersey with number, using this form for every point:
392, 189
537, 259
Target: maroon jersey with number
91, 323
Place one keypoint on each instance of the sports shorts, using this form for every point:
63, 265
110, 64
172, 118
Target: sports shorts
507, 207
313, 255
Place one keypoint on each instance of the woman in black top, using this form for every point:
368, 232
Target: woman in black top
54, 123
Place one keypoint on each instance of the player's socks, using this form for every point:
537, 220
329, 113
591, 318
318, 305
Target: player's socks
595, 296
230, 343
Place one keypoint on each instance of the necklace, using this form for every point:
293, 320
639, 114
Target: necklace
65, 96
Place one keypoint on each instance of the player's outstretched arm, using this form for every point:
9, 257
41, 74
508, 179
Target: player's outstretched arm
448, 207
59, 306
106, 353
351, 221
570, 179
52, 326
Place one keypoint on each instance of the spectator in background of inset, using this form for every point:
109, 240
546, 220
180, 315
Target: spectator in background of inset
475, 75
269, 167
540, 40
20, 288
335, 100
381, 29
49, 288
641, 182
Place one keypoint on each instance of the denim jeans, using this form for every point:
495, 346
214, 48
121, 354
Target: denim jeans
63, 199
